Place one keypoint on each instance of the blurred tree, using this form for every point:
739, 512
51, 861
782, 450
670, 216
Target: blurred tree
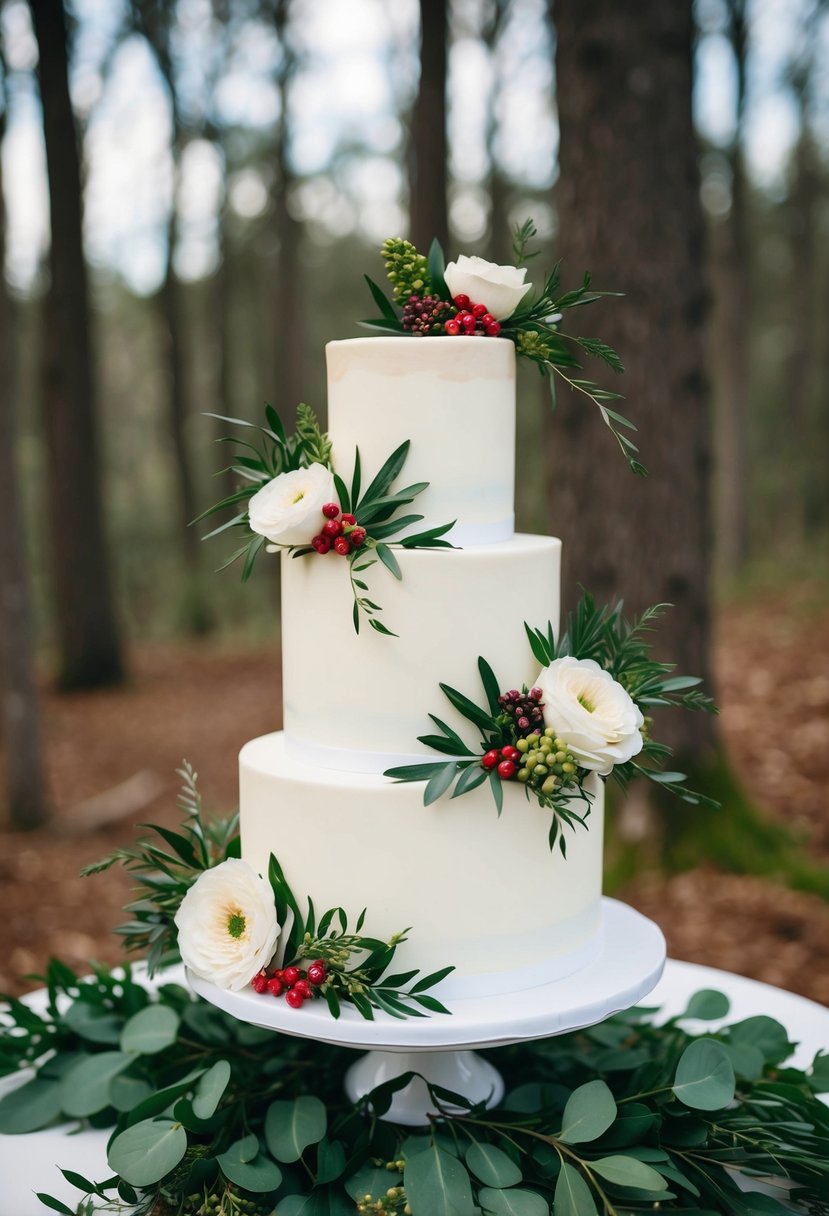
732, 266
428, 152
500, 241
156, 20
87, 633
287, 311
629, 211
28, 804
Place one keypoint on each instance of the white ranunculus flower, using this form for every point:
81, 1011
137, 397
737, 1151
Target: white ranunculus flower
592, 711
227, 927
501, 288
288, 510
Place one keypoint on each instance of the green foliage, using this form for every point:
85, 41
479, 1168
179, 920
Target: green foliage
534, 327
165, 874
622, 648
614, 1118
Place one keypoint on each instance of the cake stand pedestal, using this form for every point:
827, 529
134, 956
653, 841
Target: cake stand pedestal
439, 1048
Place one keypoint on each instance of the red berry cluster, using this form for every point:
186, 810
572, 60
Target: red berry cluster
297, 986
425, 314
505, 761
472, 319
340, 532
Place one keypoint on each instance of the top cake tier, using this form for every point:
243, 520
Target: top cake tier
454, 400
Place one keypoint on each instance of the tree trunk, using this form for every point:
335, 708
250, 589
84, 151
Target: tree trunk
500, 238
428, 144
288, 328
27, 800
629, 212
87, 633
733, 284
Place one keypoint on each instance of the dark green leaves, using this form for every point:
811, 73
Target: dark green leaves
290, 1127
705, 1076
589, 1112
436, 1182
144, 1153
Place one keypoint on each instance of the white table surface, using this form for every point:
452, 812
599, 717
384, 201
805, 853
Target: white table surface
26, 1162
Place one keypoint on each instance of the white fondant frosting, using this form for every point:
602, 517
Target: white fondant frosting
369, 693
454, 400
481, 891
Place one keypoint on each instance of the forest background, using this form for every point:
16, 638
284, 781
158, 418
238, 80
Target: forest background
193, 192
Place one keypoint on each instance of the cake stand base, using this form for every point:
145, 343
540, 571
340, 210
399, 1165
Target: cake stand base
629, 964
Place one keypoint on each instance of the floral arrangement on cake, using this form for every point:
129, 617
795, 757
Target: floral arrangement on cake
472, 297
294, 500
201, 903
585, 714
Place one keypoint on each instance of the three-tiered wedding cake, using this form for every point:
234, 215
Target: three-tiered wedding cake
480, 890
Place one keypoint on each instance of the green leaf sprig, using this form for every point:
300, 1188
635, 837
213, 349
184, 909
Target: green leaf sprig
212, 1114
356, 965
622, 648
375, 508
534, 327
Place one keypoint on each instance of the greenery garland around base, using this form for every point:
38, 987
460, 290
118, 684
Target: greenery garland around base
214, 1116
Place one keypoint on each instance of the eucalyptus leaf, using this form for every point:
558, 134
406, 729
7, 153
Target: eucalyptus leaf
93, 1022
515, 1202
290, 1127
86, 1087
491, 1165
705, 1076
707, 1004
331, 1160
589, 1112
572, 1195
127, 1091
150, 1030
627, 1171
372, 1180
30, 1107
258, 1174
147, 1151
764, 1033
210, 1088
437, 1183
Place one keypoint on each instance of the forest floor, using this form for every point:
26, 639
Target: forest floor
112, 757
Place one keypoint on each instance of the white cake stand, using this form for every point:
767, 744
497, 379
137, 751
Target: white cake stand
439, 1048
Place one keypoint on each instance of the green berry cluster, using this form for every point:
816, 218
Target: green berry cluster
407, 269
228, 1202
546, 764
394, 1201
533, 345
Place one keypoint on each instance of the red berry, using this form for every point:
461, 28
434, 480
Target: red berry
479, 310
490, 759
332, 528
536, 694
452, 327
259, 982
358, 537
342, 546
317, 972
295, 999
303, 987
290, 976
493, 330
322, 544
275, 986
510, 753
469, 323
487, 319
331, 510
462, 301
348, 519
506, 769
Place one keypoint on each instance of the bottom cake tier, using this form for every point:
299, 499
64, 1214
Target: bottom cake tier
480, 891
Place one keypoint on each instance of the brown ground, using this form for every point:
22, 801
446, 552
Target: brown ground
772, 661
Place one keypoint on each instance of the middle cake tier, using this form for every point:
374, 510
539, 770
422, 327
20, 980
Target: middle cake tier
359, 702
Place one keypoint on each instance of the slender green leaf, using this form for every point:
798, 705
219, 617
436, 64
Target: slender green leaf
491, 1165
389, 560
572, 1195
627, 1171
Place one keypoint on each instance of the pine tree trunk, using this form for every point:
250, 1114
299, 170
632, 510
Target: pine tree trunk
27, 800
288, 329
428, 143
629, 212
87, 633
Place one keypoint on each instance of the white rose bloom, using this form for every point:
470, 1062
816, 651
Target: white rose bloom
592, 712
227, 927
501, 288
288, 510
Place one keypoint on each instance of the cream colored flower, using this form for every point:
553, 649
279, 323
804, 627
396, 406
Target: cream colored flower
501, 288
288, 510
592, 711
227, 927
